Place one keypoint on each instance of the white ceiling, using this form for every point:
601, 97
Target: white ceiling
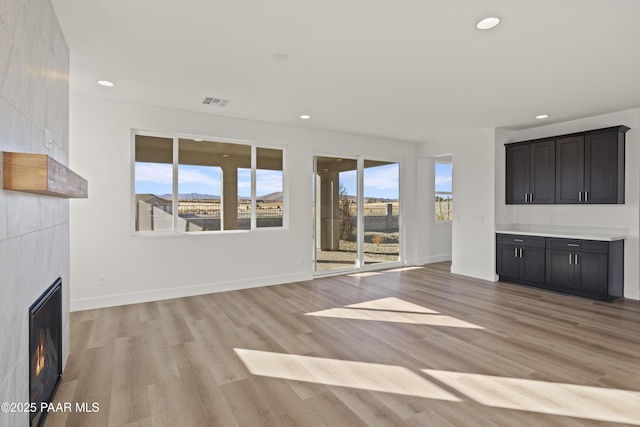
400, 69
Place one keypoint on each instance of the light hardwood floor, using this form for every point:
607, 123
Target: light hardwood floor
418, 347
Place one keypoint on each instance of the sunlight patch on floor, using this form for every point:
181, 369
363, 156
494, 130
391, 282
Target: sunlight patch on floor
562, 399
394, 310
400, 269
342, 373
392, 304
594, 403
365, 274
395, 317
378, 273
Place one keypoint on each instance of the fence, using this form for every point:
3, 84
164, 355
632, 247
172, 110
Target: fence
211, 210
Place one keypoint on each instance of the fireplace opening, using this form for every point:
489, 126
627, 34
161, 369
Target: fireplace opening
45, 350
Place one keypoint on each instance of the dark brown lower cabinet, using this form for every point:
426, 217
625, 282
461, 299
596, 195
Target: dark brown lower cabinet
588, 268
521, 258
581, 271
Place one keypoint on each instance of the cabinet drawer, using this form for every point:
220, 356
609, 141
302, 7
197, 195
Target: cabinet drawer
594, 246
521, 240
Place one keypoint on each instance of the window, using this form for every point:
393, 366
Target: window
210, 185
444, 191
153, 184
269, 187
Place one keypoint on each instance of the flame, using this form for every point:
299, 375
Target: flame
40, 361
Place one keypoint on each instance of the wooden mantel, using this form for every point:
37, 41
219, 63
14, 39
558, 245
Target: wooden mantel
40, 174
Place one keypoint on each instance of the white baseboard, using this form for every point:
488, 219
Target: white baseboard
435, 258
185, 291
476, 274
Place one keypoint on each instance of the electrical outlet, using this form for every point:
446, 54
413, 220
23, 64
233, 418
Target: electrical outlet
102, 281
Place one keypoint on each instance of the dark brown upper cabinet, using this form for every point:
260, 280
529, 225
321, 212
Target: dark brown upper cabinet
590, 167
580, 168
530, 173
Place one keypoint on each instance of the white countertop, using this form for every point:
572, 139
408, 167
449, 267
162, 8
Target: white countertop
565, 232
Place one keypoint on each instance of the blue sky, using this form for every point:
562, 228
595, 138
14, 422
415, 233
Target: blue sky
153, 178
443, 177
382, 182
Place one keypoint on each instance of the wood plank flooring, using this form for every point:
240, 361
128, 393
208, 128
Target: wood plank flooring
415, 347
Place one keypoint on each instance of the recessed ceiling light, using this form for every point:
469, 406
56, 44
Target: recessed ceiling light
305, 117
542, 116
106, 83
488, 23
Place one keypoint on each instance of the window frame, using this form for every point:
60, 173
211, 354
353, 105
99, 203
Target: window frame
175, 184
360, 159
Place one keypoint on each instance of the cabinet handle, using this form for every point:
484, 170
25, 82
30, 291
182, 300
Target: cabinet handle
586, 196
579, 196
530, 197
570, 259
520, 252
575, 245
515, 252
518, 240
526, 198
575, 259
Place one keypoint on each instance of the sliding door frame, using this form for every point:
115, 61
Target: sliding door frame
359, 265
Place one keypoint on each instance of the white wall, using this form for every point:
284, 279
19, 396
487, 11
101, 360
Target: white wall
138, 268
616, 216
472, 234
34, 230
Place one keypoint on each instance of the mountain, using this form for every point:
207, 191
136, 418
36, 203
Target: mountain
198, 196
271, 196
195, 196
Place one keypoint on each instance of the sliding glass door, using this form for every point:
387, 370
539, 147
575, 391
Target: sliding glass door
357, 208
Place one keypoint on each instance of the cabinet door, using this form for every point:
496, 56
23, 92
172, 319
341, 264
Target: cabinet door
517, 176
507, 263
569, 169
542, 171
532, 264
602, 163
560, 271
591, 272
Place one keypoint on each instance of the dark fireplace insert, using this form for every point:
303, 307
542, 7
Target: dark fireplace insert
45, 350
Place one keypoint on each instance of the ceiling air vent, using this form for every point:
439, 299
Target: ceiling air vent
215, 102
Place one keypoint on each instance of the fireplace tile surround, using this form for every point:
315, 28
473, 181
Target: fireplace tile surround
34, 230
23, 284
3, 217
